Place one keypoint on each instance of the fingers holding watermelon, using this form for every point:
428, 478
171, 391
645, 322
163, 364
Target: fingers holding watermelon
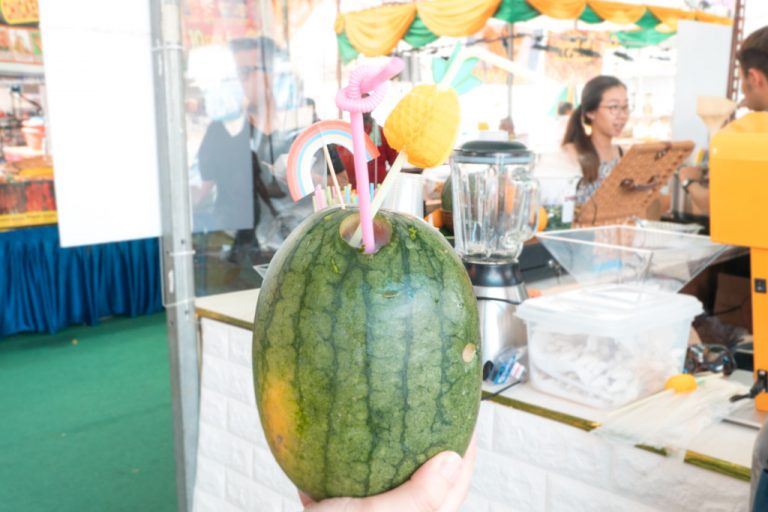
439, 485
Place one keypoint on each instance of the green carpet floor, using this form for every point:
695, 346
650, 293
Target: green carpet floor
85, 419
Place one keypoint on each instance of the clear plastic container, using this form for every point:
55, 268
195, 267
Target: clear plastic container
690, 228
651, 258
607, 346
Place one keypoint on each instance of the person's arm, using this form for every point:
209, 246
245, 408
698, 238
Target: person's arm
699, 196
439, 485
691, 179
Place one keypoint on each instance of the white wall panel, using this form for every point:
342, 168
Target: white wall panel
98, 72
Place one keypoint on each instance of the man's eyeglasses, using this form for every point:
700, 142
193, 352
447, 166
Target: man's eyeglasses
615, 109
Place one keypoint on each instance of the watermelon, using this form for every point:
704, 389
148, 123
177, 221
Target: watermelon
365, 365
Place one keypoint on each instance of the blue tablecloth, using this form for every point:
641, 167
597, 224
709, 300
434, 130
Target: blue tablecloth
44, 287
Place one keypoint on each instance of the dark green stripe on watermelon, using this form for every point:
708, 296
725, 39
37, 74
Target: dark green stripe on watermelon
358, 364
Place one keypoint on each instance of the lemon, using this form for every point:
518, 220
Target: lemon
681, 383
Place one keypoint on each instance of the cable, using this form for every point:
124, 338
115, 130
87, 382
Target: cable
496, 393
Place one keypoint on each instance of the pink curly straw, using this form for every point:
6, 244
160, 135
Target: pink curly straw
367, 87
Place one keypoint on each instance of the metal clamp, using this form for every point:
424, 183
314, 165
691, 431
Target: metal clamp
760, 386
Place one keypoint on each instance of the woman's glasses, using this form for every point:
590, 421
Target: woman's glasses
615, 109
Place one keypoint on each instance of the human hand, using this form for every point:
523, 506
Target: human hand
439, 485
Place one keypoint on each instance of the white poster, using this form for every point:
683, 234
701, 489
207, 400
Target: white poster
703, 54
98, 73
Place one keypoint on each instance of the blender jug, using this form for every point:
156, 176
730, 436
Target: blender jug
495, 210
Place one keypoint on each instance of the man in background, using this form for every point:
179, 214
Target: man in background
239, 157
753, 70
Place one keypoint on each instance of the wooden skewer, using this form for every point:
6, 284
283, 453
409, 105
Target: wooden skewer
333, 171
384, 189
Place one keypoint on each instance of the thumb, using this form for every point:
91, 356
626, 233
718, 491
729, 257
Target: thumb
426, 490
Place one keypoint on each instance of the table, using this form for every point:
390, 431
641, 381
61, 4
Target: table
44, 287
535, 450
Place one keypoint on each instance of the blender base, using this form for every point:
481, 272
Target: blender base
499, 289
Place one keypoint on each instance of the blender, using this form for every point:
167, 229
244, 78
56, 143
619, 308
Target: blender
495, 210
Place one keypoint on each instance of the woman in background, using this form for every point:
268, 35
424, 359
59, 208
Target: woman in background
601, 116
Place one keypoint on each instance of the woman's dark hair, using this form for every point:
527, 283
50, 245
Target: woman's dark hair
753, 52
591, 97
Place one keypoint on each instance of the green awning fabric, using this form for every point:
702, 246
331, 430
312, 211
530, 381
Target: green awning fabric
418, 34
642, 38
513, 11
347, 52
590, 16
648, 20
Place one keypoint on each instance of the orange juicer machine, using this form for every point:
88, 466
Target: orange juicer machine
738, 187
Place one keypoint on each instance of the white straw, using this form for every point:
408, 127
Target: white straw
381, 194
491, 58
333, 171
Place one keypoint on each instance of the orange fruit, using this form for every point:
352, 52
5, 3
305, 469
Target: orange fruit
542, 219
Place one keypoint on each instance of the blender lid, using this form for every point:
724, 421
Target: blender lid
493, 152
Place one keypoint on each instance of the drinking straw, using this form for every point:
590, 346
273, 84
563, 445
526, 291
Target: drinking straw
373, 82
329, 162
347, 195
474, 52
384, 189
320, 198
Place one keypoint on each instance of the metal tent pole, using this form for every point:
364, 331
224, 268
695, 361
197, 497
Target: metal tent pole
510, 46
177, 273
737, 35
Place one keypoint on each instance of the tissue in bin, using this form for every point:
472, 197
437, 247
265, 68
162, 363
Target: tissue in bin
600, 371
609, 345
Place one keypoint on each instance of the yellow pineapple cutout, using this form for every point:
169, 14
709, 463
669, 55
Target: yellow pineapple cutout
425, 123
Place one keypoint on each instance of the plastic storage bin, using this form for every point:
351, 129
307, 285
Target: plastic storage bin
607, 346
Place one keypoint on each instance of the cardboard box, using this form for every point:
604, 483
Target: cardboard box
733, 301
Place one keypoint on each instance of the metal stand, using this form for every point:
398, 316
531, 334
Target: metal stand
177, 268
499, 289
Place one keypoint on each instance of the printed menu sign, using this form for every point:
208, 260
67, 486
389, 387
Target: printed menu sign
27, 202
20, 45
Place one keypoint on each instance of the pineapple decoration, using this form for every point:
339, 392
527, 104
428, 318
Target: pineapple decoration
424, 124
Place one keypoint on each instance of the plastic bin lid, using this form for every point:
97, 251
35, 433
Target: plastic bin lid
609, 310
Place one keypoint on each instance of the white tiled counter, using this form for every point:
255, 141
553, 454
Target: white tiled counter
535, 453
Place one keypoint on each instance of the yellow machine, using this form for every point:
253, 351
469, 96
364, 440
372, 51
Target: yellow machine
739, 214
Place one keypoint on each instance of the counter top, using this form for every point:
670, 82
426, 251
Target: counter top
724, 447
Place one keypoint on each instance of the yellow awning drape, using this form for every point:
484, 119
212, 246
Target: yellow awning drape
456, 18
559, 9
615, 12
670, 17
377, 31
711, 18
